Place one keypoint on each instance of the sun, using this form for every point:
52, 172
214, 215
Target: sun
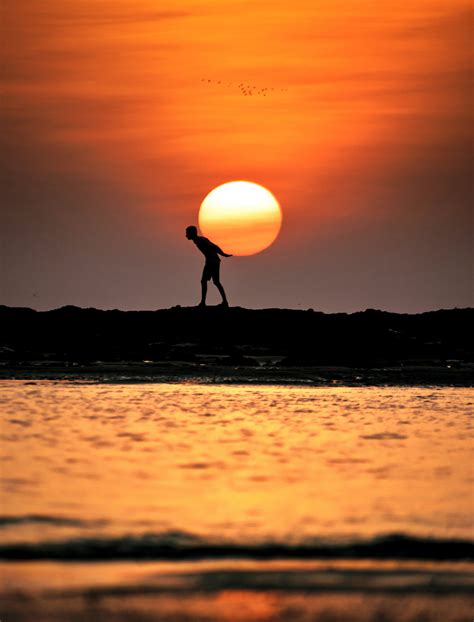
242, 217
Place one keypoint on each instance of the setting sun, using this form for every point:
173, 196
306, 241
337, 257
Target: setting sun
242, 217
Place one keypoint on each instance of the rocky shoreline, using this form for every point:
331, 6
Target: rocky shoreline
238, 345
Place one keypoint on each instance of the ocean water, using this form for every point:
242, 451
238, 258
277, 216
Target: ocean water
232, 489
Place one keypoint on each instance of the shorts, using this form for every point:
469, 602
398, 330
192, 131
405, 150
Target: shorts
211, 271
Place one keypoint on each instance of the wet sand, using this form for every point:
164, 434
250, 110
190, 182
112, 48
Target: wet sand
237, 592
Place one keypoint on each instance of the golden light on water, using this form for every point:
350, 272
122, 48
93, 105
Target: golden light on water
244, 218
263, 461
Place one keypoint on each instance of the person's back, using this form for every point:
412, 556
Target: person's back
207, 248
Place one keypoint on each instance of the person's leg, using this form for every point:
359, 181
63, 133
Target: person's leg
218, 284
203, 291
204, 279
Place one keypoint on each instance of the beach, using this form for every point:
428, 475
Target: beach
236, 344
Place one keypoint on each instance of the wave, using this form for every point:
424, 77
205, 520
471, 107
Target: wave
179, 545
58, 521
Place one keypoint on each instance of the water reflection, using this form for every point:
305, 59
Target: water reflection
242, 463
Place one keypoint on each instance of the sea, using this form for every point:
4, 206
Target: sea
202, 501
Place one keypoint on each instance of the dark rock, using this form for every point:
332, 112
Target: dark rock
364, 339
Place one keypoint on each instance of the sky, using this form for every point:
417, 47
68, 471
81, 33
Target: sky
113, 135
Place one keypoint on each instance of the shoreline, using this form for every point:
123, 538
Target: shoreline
236, 345
178, 372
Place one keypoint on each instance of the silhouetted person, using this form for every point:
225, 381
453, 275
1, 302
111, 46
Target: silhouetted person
211, 268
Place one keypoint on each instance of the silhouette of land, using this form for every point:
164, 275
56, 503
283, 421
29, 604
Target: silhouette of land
238, 345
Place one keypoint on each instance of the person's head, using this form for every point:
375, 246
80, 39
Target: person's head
191, 232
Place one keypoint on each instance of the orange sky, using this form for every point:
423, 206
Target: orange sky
113, 139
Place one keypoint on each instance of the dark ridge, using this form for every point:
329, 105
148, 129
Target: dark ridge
237, 337
182, 546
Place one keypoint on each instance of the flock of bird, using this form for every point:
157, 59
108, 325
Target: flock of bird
247, 90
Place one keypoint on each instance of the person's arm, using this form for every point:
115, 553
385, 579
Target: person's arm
221, 252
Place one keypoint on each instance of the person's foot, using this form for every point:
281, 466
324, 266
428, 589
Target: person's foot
225, 304
201, 305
